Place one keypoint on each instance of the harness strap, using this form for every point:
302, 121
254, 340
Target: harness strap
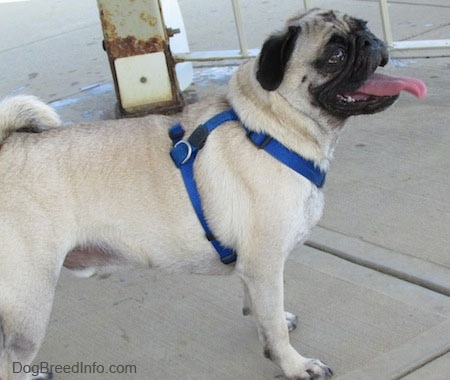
184, 152
291, 159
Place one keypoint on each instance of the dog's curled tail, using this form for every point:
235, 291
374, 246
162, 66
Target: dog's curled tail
26, 113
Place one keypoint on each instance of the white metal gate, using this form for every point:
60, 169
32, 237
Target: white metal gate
244, 52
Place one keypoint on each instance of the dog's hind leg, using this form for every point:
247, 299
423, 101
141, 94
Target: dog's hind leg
265, 288
28, 277
24, 317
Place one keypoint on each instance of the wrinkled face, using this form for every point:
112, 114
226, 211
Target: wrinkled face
326, 56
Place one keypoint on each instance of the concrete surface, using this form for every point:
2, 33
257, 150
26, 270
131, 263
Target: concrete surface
371, 287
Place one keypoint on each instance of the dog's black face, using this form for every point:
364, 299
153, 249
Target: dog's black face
350, 60
327, 56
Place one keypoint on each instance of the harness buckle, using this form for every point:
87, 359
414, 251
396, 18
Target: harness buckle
259, 140
181, 152
199, 136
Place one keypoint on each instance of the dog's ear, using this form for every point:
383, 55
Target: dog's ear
275, 55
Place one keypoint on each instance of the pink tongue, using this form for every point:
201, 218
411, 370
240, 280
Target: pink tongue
385, 85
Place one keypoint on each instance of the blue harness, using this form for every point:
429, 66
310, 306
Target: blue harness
184, 152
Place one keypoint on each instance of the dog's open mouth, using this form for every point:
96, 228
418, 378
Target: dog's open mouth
381, 86
376, 94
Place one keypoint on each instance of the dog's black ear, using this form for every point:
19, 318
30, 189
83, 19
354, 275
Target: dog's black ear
275, 55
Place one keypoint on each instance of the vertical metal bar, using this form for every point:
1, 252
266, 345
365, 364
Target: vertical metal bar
387, 31
240, 27
307, 4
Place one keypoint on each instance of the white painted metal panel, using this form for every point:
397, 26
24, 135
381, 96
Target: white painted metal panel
143, 79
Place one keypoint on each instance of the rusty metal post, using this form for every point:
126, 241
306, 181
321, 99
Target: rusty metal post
143, 69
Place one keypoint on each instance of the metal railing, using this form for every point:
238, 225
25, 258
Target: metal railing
404, 45
244, 52
219, 55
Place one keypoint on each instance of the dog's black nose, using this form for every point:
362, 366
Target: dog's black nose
369, 43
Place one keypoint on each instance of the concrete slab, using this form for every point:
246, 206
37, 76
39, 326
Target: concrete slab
436, 370
172, 326
412, 269
51, 49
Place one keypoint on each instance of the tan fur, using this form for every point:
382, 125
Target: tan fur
26, 112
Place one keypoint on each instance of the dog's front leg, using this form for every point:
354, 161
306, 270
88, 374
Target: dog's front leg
265, 295
291, 319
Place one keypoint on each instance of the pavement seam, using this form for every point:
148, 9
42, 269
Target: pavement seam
407, 268
407, 358
423, 365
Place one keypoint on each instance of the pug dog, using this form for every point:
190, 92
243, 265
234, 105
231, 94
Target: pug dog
98, 197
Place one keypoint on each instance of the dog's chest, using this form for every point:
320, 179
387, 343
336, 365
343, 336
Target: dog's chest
314, 207
306, 217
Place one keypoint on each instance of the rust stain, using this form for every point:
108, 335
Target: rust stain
149, 19
119, 47
109, 29
130, 45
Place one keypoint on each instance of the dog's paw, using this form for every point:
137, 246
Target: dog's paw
314, 370
291, 321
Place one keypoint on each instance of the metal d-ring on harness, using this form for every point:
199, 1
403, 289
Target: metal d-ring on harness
184, 152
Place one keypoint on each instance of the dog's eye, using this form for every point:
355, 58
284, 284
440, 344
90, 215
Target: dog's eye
338, 56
